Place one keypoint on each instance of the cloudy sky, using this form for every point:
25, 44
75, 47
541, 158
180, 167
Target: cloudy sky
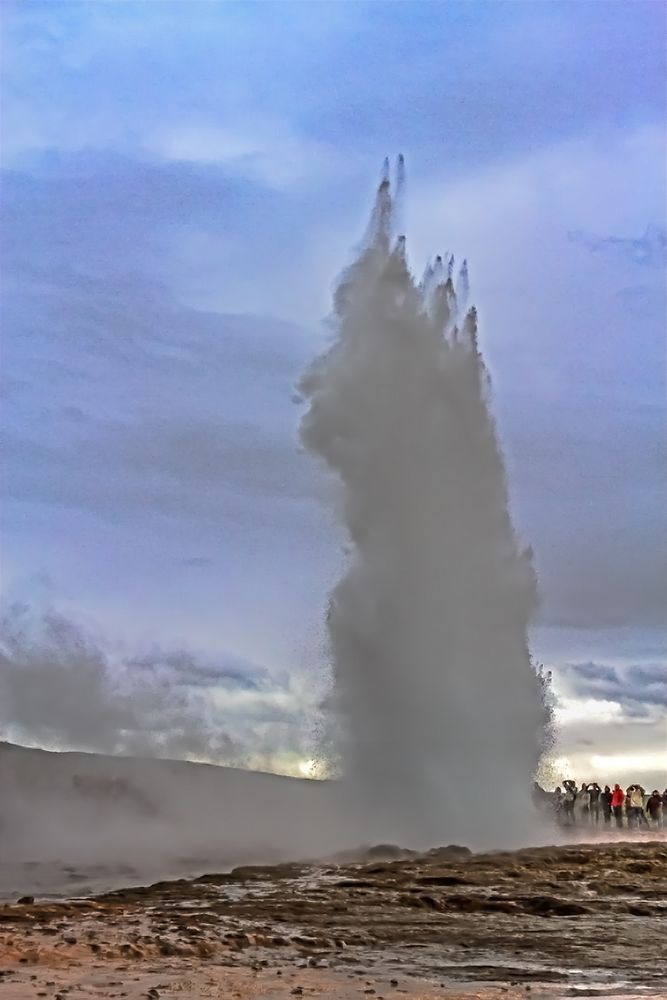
182, 182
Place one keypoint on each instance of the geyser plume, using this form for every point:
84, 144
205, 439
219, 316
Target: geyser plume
438, 708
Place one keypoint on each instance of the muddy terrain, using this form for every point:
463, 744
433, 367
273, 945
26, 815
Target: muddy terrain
580, 920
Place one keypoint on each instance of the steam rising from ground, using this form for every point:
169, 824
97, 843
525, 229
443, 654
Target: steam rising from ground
439, 709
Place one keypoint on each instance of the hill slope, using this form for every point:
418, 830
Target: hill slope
83, 809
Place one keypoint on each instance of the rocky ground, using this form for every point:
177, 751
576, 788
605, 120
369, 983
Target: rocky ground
578, 920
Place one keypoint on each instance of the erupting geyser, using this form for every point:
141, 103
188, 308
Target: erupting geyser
438, 708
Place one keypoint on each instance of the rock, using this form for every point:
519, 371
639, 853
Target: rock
260, 873
387, 851
430, 902
131, 951
238, 940
204, 949
420, 902
356, 883
215, 878
638, 867
548, 906
452, 852
442, 880
25, 900
29, 957
168, 949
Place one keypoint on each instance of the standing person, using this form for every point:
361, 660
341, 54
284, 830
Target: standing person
637, 793
594, 793
617, 802
605, 801
557, 804
664, 807
654, 808
568, 802
583, 804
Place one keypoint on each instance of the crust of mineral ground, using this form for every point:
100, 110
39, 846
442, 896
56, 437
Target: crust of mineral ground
389, 924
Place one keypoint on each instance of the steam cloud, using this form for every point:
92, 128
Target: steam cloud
60, 687
439, 710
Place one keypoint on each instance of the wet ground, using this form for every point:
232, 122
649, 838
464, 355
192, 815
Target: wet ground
577, 920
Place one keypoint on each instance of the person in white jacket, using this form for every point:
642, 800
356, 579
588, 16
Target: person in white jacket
636, 814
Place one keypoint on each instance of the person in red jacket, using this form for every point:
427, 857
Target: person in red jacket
617, 803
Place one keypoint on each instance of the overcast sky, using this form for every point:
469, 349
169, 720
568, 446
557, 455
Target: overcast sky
182, 182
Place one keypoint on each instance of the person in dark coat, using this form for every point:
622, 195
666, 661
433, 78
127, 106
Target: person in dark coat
594, 793
654, 808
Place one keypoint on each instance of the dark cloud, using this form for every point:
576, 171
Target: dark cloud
640, 689
77, 219
183, 668
649, 250
188, 471
125, 402
594, 511
595, 672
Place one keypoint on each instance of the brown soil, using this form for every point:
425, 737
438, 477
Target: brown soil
584, 920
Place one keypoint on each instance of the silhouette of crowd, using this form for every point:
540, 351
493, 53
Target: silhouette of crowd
594, 805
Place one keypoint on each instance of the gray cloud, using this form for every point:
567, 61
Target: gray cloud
590, 673
181, 224
649, 250
194, 470
595, 513
130, 403
640, 688
183, 668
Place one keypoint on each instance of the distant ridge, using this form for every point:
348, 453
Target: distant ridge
15, 754
92, 808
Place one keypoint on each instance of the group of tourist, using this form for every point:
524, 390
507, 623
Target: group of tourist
592, 804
